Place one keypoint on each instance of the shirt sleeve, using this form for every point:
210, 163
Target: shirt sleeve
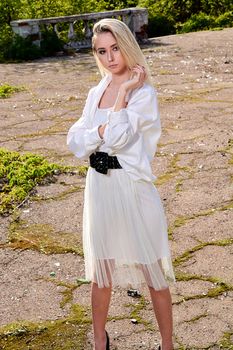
141, 116
81, 139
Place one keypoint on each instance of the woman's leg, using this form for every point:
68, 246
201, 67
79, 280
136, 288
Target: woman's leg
100, 299
162, 304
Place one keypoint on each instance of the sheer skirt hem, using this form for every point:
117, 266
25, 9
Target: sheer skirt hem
109, 272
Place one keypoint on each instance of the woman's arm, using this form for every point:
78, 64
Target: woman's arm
140, 116
81, 139
137, 79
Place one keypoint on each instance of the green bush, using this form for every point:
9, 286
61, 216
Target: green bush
50, 43
199, 21
182, 10
160, 25
22, 49
225, 20
5, 40
216, 8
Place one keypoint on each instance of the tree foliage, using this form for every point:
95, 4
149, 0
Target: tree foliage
165, 16
181, 10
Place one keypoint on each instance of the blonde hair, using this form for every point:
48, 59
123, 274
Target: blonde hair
126, 42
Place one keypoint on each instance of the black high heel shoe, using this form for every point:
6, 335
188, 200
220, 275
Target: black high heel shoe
107, 342
159, 348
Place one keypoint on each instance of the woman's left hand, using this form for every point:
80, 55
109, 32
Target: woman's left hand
137, 79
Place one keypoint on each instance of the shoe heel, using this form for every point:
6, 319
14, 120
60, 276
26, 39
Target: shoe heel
107, 341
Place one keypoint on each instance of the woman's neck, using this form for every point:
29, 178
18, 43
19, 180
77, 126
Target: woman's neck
118, 79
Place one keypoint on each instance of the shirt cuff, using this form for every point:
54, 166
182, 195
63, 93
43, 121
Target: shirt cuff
94, 136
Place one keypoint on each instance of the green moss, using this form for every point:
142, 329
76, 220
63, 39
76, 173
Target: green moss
179, 221
189, 253
193, 96
136, 308
179, 98
67, 296
229, 145
219, 288
166, 72
173, 170
226, 341
181, 276
229, 149
182, 220
162, 179
67, 293
7, 90
66, 334
82, 170
60, 196
196, 318
42, 237
118, 318
179, 185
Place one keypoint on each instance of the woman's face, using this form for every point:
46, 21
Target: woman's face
109, 54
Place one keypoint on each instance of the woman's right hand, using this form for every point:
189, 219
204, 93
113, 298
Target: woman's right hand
101, 129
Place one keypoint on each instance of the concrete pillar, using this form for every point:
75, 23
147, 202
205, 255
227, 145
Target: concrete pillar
26, 28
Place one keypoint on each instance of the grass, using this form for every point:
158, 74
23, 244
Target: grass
20, 174
7, 90
67, 333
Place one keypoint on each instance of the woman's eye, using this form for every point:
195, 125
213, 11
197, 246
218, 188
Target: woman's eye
101, 52
115, 48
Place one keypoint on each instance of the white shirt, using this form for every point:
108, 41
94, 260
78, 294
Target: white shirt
131, 134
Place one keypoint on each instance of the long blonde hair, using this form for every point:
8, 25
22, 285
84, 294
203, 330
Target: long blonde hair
125, 41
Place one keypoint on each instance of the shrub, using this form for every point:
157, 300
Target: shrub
19, 174
5, 40
199, 21
7, 90
22, 49
225, 20
160, 25
50, 43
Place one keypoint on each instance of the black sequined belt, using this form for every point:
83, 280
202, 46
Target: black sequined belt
101, 161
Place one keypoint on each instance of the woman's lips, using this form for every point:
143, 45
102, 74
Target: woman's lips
113, 66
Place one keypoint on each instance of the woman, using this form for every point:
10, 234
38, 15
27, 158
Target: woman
124, 227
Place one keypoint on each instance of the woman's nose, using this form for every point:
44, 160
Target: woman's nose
110, 56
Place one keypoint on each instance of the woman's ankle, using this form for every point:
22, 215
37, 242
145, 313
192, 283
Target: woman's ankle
100, 341
167, 345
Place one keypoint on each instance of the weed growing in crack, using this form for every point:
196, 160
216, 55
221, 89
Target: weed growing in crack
19, 175
7, 90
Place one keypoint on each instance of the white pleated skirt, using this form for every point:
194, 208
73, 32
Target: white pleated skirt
125, 237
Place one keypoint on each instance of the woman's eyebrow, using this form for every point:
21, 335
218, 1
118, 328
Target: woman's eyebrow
103, 48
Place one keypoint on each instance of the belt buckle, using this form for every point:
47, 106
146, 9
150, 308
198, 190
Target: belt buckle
101, 162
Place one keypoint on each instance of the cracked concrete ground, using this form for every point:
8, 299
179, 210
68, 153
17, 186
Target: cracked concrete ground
193, 74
